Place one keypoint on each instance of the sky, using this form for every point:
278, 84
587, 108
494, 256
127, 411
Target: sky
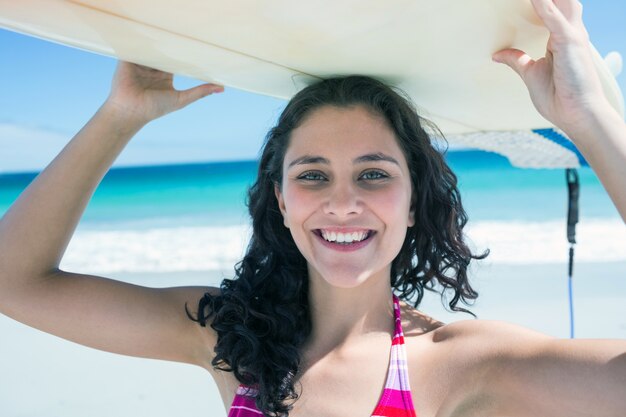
49, 91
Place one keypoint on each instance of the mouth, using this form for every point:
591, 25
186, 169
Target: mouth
346, 240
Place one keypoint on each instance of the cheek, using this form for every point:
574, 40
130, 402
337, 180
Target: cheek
299, 203
392, 204
299, 207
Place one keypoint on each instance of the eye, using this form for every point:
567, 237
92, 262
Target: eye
311, 176
374, 175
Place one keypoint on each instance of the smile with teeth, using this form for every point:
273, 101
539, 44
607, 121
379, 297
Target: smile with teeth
345, 238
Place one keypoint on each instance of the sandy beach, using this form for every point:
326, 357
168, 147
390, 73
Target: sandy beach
43, 375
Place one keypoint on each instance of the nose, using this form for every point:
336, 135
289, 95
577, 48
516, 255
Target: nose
343, 200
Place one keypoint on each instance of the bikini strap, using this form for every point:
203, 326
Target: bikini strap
396, 399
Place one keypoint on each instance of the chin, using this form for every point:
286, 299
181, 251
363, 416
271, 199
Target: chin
346, 277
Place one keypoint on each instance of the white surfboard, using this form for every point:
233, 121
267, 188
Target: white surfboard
439, 52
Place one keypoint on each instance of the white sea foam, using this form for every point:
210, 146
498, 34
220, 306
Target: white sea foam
219, 248
512, 242
156, 250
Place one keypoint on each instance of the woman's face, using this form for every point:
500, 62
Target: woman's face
346, 194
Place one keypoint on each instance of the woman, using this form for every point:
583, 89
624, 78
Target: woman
349, 191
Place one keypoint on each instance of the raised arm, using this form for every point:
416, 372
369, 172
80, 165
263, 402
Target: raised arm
566, 90
35, 232
518, 372
532, 374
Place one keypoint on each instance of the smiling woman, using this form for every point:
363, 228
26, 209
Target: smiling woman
311, 325
337, 166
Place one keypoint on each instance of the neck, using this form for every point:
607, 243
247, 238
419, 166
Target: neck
344, 317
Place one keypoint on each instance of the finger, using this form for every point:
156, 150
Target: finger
571, 9
518, 60
551, 16
189, 96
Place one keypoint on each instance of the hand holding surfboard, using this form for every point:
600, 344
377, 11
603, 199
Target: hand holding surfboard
563, 85
142, 94
565, 88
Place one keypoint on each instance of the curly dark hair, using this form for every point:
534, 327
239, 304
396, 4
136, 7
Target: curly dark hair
262, 316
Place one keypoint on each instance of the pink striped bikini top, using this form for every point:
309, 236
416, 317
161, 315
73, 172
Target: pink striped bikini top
395, 401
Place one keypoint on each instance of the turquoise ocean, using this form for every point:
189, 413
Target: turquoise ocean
193, 217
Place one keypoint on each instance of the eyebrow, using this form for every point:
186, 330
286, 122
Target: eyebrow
371, 157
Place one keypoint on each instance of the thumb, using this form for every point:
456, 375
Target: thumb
518, 60
188, 96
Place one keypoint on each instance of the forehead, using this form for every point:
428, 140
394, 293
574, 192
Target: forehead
343, 132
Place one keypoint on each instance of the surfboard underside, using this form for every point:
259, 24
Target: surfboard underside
439, 53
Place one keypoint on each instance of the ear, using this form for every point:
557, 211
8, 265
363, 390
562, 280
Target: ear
281, 203
411, 222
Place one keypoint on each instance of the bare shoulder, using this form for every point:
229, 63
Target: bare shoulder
485, 342
454, 365
488, 330
491, 367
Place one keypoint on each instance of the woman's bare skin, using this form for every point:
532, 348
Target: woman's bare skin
465, 368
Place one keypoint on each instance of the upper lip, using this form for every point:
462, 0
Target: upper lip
344, 229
